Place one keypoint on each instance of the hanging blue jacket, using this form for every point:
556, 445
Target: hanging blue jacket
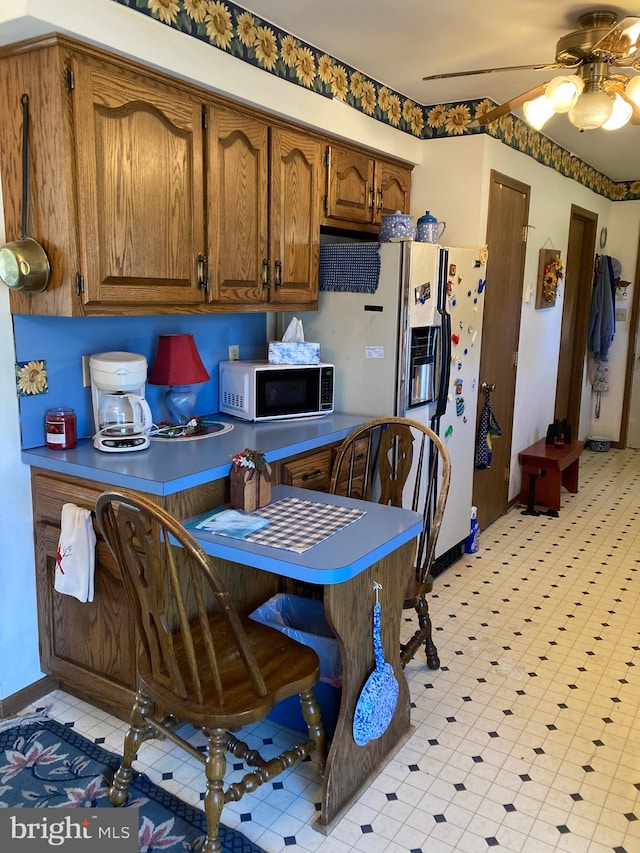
602, 322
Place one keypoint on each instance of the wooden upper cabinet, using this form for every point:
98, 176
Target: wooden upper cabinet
361, 188
237, 180
294, 217
264, 204
393, 189
139, 160
349, 184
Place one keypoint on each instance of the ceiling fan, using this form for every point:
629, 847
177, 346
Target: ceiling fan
591, 92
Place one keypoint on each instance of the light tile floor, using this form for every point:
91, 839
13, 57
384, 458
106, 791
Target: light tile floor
527, 738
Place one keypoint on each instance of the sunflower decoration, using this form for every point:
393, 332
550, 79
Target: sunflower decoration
31, 378
553, 273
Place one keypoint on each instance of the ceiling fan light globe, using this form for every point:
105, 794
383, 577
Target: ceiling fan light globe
622, 111
563, 92
537, 112
633, 90
591, 111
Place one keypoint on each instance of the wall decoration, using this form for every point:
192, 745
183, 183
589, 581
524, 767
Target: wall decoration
31, 378
550, 273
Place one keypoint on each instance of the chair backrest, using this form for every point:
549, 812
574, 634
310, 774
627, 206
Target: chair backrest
174, 590
400, 462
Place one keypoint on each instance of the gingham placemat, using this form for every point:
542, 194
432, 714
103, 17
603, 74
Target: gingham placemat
297, 525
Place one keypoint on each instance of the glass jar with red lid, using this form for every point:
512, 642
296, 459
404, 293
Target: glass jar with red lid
60, 428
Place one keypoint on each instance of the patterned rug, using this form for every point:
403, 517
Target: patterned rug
46, 764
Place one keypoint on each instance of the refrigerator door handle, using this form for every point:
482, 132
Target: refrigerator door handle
444, 367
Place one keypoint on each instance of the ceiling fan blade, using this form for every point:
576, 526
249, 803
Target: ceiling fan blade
621, 45
508, 106
453, 74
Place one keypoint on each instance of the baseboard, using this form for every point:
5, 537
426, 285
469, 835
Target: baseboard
447, 559
17, 702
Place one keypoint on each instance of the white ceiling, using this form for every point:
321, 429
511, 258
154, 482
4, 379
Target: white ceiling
398, 42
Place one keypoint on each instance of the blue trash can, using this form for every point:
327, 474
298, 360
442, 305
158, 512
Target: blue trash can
304, 620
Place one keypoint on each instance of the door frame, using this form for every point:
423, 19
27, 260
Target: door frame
583, 307
501, 179
631, 354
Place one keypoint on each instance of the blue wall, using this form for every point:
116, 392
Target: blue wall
62, 342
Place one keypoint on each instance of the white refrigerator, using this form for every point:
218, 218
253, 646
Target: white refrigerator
410, 346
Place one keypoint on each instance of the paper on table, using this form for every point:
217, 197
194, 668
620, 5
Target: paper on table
230, 522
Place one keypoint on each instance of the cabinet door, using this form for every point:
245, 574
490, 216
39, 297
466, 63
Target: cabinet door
90, 647
393, 189
140, 187
294, 217
350, 175
237, 208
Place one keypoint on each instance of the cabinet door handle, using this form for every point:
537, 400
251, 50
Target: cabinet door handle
203, 273
312, 475
380, 201
371, 197
278, 273
265, 273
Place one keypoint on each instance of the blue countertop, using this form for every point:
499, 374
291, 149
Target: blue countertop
167, 467
381, 530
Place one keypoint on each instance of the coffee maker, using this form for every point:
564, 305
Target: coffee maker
121, 414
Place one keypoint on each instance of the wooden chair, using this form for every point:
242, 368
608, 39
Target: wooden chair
401, 462
201, 662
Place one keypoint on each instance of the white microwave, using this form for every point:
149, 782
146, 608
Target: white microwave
258, 391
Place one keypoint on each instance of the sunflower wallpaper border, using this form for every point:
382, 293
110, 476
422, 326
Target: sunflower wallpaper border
243, 34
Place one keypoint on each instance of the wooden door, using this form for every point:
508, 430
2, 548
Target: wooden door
576, 303
392, 190
295, 205
350, 191
506, 238
237, 178
139, 185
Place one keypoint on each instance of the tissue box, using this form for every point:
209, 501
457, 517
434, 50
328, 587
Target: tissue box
301, 352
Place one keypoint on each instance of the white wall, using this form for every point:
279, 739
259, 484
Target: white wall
19, 664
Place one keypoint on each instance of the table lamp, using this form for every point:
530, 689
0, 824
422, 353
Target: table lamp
178, 364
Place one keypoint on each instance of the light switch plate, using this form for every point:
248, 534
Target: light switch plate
234, 352
621, 315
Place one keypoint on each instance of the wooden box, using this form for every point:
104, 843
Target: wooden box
249, 489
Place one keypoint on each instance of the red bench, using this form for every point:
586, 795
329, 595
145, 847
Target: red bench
548, 468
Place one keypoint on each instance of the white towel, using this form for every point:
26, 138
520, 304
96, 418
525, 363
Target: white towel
75, 560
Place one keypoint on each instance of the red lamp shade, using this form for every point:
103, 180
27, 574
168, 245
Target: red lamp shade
177, 362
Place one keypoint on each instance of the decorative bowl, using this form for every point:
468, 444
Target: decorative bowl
396, 227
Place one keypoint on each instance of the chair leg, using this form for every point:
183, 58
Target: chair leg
313, 719
424, 620
215, 768
136, 733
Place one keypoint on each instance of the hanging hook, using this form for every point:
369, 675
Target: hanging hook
376, 587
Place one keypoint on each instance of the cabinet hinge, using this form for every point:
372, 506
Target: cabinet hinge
325, 202
71, 80
327, 156
204, 118
515, 358
506, 475
79, 284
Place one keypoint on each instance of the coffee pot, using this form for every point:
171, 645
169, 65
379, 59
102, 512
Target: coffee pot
121, 414
429, 230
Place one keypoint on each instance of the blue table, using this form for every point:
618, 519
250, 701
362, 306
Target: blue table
378, 547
